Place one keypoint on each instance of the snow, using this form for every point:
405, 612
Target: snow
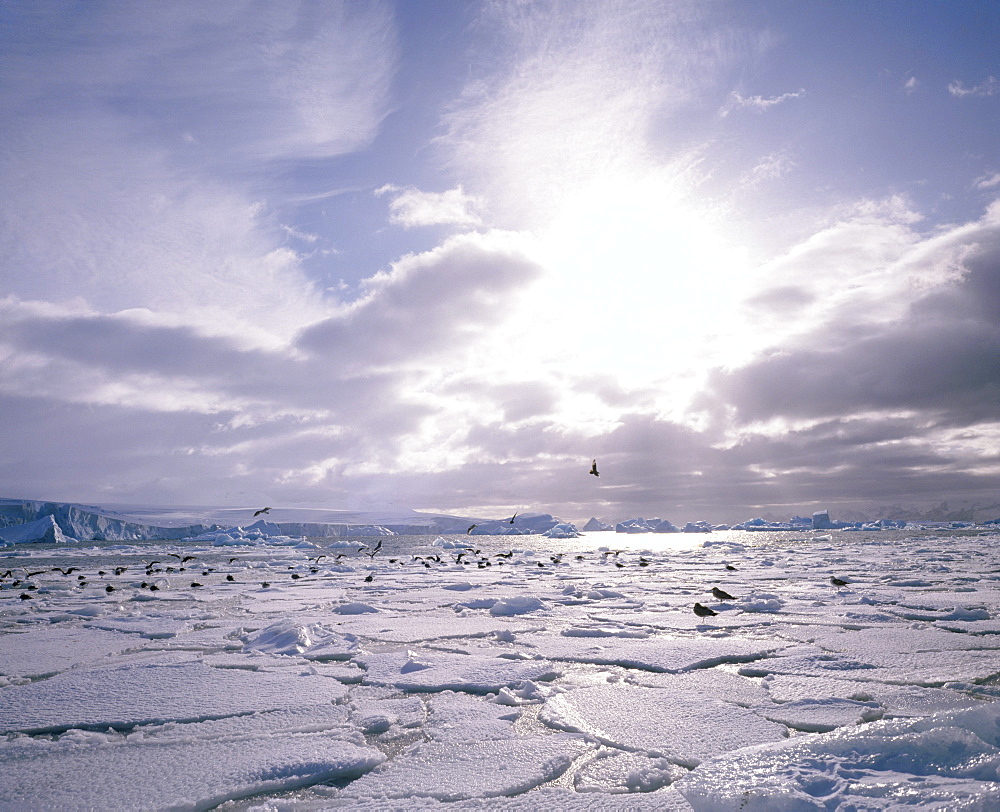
564, 676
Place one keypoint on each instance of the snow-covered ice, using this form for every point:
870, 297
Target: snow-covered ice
281, 673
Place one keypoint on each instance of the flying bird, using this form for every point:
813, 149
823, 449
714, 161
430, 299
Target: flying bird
262, 510
371, 553
512, 518
471, 528
703, 611
593, 469
721, 594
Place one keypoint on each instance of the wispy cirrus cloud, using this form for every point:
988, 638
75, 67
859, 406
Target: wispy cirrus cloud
758, 104
137, 140
988, 87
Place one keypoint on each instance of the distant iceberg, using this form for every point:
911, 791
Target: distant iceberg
562, 531
640, 525
40, 531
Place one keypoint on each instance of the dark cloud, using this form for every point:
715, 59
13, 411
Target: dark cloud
428, 304
942, 359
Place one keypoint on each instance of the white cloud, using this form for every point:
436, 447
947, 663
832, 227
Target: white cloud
988, 181
758, 104
577, 98
135, 144
411, 207
988, 87
911, 85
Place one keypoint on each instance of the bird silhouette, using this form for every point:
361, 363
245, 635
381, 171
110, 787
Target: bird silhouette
721, 594
471, 528
704, 611
512, 518
837, 581
262, 510
593, 469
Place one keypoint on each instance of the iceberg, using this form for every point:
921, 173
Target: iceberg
41, 531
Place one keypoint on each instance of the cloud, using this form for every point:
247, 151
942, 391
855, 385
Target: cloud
911, 85
989, 181
571, 91
988, 87
758, 104
410, 207
920, 337
137, 141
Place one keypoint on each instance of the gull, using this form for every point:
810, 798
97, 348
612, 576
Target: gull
471, 528
512, 518
262, 510
703, 611
730, 567
593, 469
375, 549
721, 594
837, 581
369, 579
68, 570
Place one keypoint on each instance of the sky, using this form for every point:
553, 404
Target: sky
442, 255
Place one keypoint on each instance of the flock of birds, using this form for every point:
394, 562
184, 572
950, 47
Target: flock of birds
156, 570
467, 556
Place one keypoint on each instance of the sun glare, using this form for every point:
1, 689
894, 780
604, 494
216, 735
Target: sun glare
640, 283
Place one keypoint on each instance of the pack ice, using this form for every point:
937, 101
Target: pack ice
274, 672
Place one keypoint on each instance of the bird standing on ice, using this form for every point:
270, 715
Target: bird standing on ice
704, 611
593, 469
